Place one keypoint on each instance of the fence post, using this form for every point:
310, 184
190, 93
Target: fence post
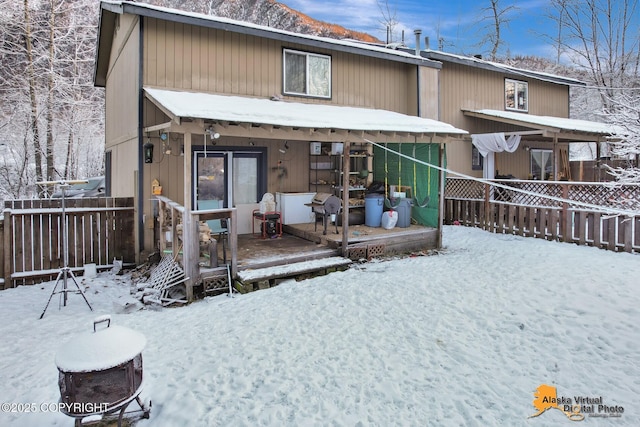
487, 221
564, 215
8, 249
627, 222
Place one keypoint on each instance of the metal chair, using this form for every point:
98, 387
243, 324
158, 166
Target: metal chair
218, 227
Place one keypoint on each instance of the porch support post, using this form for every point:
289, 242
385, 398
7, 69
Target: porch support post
597, 161
345, 196
233, 242
556, 157
190, 229
441, 182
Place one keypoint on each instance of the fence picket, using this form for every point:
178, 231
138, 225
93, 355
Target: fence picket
531, 214
32, 238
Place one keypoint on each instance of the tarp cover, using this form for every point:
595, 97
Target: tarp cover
423, 180
495, 143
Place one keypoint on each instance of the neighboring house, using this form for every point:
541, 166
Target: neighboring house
223, 111
484, 97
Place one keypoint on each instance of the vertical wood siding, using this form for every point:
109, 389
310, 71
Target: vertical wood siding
464, 87
121, 104
187, 57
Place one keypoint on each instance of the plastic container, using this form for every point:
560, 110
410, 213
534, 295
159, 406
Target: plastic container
404, 213
389, 219
356, 217
373, 204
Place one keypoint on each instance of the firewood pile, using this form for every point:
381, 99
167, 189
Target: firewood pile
204, 232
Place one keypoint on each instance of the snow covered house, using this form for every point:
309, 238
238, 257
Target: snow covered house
206, 115
531, 109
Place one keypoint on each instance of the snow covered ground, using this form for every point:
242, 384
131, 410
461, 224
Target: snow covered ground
460, 338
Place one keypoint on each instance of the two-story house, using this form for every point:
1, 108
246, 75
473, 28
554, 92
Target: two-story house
208, 111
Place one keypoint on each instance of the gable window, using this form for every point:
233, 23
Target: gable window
516, 95
307, 74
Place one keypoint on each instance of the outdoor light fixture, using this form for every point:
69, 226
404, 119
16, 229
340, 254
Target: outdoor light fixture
148, 151
212, 133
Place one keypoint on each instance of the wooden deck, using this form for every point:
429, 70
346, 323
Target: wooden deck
396, 240
303, 249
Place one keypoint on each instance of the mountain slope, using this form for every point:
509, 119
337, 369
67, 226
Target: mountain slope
268, 13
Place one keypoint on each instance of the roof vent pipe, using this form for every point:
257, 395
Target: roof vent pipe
426, 43
417, 33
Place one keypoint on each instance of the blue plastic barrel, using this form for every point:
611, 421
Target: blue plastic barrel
373, 204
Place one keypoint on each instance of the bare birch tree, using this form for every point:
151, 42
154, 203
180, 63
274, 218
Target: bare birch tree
32, 85
497, 18
389, 19
600, 37
51, 115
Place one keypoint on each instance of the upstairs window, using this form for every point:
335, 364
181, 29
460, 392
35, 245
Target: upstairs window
516, 95
307, 74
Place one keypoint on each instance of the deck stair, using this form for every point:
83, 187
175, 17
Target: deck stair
295, 269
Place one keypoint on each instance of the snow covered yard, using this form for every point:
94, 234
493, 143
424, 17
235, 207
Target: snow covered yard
460, 338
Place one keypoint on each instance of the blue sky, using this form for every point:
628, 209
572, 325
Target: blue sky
458, 22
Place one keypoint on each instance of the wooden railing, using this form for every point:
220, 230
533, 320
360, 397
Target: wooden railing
186, 243
554, 210
99, 230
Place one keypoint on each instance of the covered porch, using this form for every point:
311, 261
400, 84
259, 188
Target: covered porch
543, 149
283, 131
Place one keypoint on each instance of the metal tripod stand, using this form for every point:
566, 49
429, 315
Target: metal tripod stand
65, 272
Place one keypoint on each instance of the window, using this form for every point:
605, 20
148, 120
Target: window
307, 74
541, 164
230, 177
476, 159
516, 95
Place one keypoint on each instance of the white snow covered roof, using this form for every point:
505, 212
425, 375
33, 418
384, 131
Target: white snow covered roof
498, 67
262, 111
547, 123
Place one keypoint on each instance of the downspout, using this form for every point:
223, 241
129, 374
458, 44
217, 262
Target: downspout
140, 203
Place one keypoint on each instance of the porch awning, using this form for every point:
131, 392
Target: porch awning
563, 128
264, 112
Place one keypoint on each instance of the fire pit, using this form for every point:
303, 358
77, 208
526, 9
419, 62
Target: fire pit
101, 372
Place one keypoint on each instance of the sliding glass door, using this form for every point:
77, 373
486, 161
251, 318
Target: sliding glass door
228, 178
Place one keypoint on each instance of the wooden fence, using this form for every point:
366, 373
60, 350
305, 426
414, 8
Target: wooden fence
99, 230
549, 210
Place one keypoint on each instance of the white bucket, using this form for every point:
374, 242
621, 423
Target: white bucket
90, 271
